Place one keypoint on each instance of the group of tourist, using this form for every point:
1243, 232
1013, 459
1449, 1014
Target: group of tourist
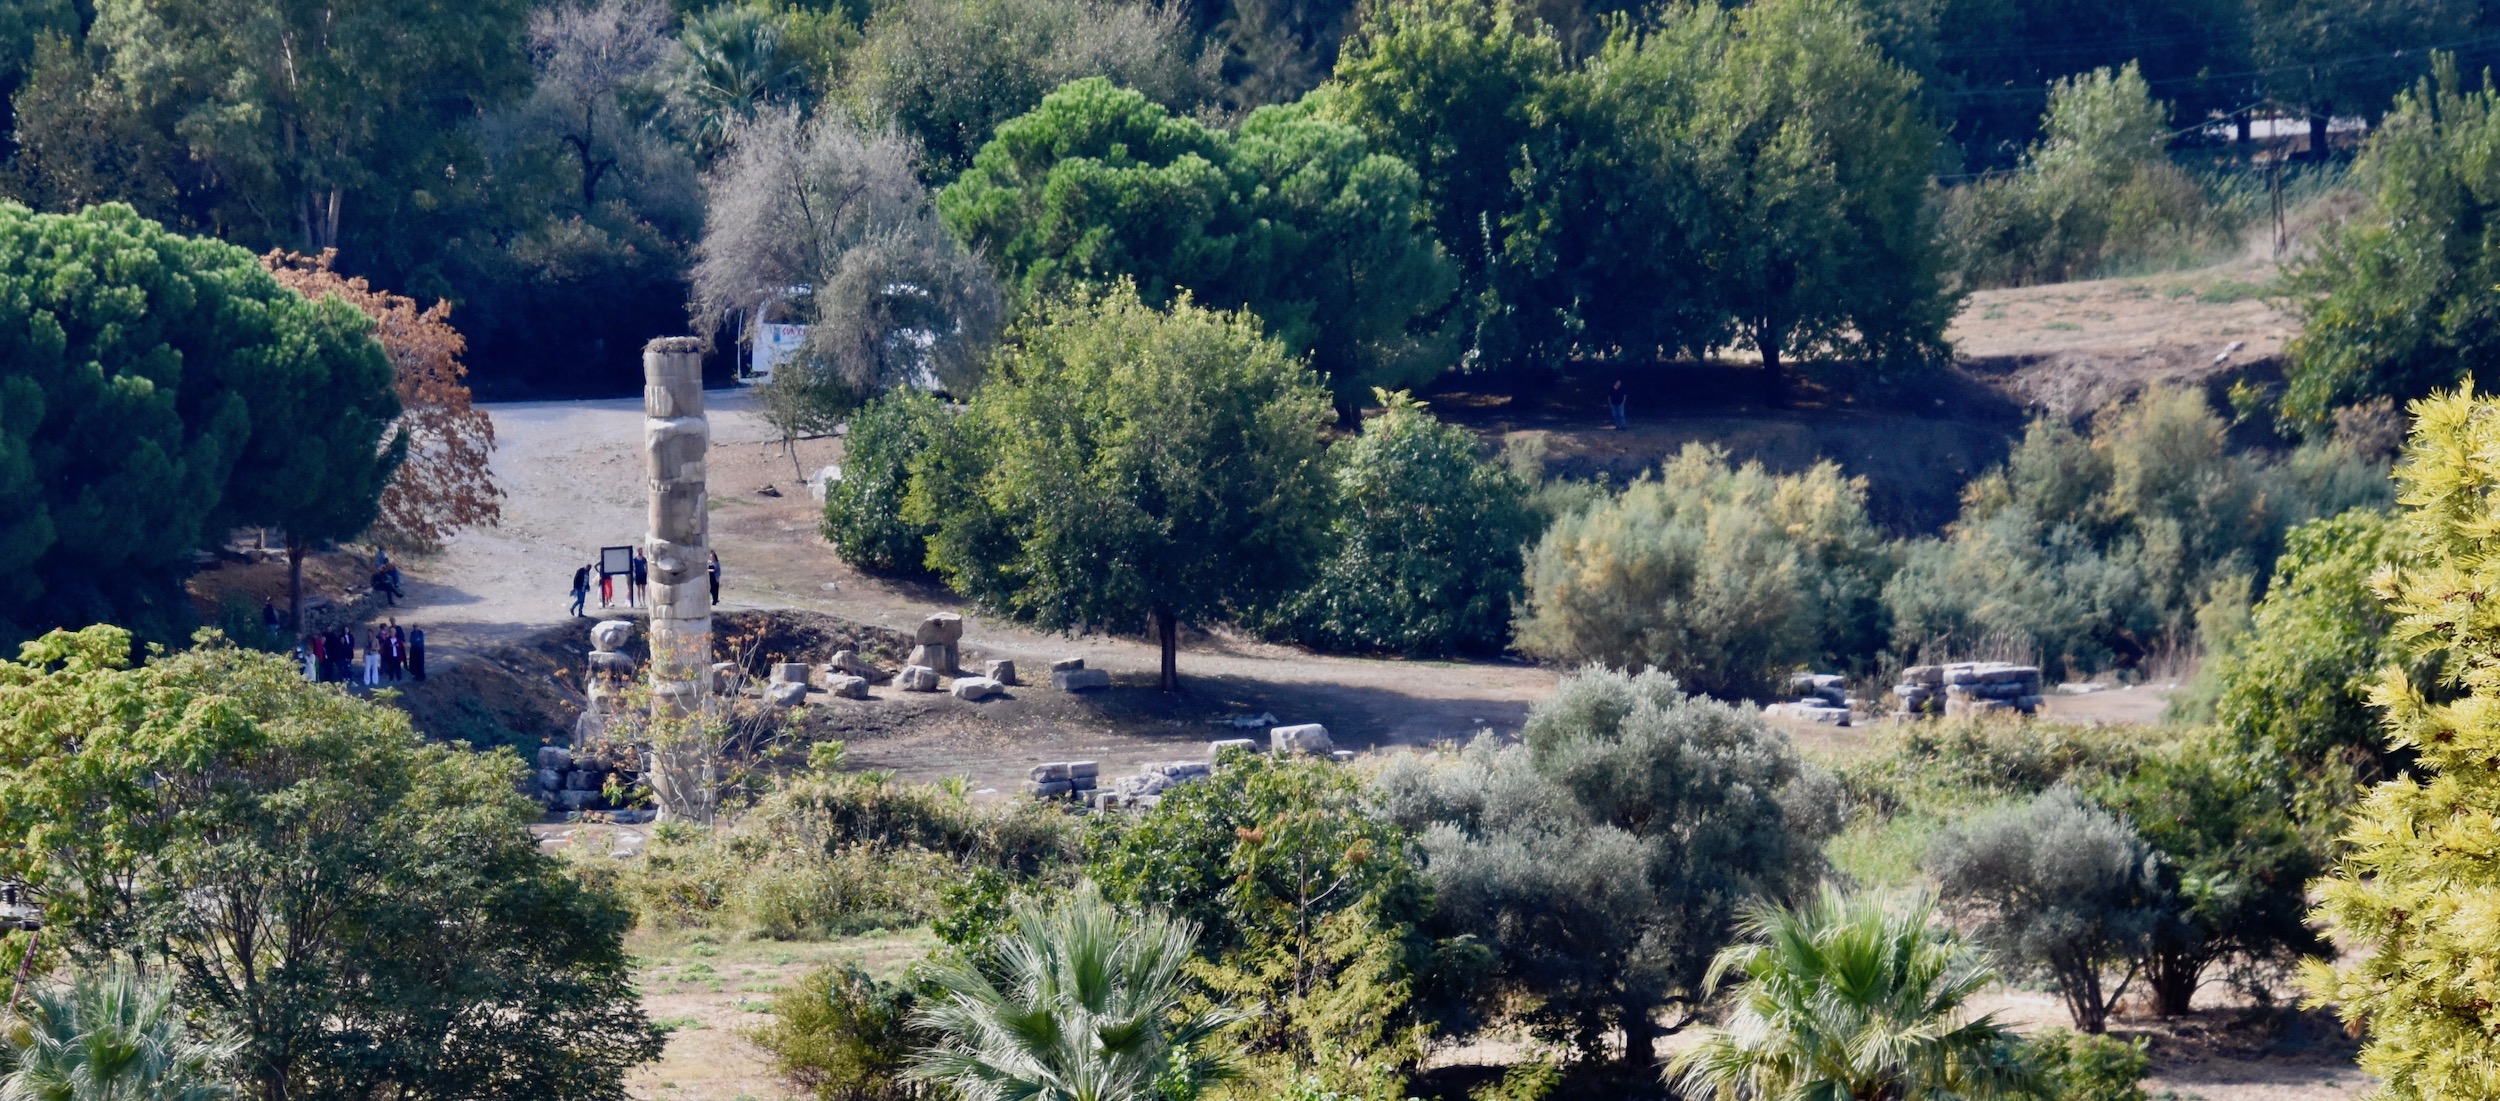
637, 583
388, 655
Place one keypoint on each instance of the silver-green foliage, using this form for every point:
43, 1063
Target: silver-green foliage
1078, 1002
1727, 577
1606, 860
112, 1035
2059, 887
1855, 996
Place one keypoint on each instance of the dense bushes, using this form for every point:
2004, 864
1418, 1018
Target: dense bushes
2095, 193
864, 507
1604, 861
824, 855
2398, 300
1725, 577
1425, 545
2084, 550
2293, 693
212, 806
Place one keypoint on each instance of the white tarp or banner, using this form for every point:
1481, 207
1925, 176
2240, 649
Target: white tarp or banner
774, 343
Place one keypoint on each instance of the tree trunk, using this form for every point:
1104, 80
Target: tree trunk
295, 583
2317, 132
1167, 632
2241, 126
1640, 1038
1774, 388
2174, 976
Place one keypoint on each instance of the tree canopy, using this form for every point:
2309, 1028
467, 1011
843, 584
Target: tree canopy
155, 390
1128, 468
383, 897
1294, 216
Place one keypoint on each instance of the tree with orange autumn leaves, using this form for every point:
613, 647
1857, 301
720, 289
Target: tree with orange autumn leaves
443, 485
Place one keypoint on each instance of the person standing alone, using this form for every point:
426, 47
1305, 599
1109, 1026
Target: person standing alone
638, 589
373, 656
581, 588
416, 654
714, 570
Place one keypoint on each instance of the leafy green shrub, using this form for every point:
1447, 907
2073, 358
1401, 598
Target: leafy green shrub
843, 1036
2397, 301
2293, 694
831, 855
2091, 550
1727, 578
864, 508
2234, 872
1426, 543
2081, 1067
2057, 887
1604, 861
1309, 909
2094, 194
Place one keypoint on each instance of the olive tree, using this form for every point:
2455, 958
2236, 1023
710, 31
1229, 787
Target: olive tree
1607, 859
1132, 467
2060, 887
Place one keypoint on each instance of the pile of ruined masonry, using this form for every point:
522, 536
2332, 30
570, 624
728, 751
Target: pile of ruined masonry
579, 779
1968, 688
1818, 697
1081, 780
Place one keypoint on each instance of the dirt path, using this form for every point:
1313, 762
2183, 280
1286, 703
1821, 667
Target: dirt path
573, 474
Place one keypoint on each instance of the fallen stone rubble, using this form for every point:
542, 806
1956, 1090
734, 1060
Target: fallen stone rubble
1968, 688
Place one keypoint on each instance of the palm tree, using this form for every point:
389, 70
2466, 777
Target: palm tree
1076, 1003
1851, 999
112, 1037
732, 66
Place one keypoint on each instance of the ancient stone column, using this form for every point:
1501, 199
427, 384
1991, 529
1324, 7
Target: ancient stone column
675, 437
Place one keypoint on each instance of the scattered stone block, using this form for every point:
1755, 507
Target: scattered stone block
611, 663
1216, 749
936, 655
1079, 680
847, 687
611, 634
1001, 670
917, 678
1047, 789
941, 629
850, 662
1341, 756
977, 688
1081, 770
577, 800
550, 779
1043, 773
789, 672
581, 779
1064, 665
785, 694
725, 677
554, 756
1302, 738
